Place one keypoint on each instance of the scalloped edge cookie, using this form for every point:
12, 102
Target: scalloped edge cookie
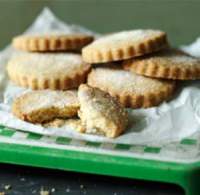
116, 83
124, 45
168, 64
51, 42
48, 71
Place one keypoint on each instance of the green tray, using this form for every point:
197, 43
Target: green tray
180, 162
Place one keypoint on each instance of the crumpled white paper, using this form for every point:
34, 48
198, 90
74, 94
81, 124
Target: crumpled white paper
193, 49
168, 122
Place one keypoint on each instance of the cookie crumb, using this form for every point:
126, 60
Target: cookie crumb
68, 190
44, 192
22, 179
82, 186
34, 191
7, 187
53, 189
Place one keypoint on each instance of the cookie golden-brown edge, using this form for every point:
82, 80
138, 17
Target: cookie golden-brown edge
62, 83
51, 43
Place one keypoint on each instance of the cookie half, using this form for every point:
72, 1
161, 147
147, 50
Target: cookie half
168, 64
124, 45
51, 42
48, 71
45, 105
100, 112
132, 90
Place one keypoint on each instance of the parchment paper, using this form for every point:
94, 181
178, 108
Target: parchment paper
168, 122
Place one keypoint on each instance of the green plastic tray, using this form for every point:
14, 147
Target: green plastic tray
180, 162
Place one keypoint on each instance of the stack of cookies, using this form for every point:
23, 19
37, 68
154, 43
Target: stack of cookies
135, 69
138, 67
51, 66
48, 61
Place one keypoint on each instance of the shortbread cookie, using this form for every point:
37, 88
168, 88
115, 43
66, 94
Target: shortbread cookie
45, 105
124, 45
168, 64
53, 71
71, 123
100, 112
132, 90
51, 42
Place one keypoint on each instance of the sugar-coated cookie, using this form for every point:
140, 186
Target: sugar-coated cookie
168, 64
45, 105
132, 90
48, 71
124, 45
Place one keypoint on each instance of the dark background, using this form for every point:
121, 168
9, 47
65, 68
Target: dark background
179, 18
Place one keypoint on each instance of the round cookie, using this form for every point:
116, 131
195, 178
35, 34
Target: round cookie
49, 70
51, 42
124, 45
45, 105
168, 64
132, 90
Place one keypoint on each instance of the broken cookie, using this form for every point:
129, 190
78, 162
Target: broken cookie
101, 113
45, 105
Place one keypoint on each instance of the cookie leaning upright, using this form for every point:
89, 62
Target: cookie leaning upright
124, 45
49, 70
51, 42
132, 90
168, 64
100, 112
